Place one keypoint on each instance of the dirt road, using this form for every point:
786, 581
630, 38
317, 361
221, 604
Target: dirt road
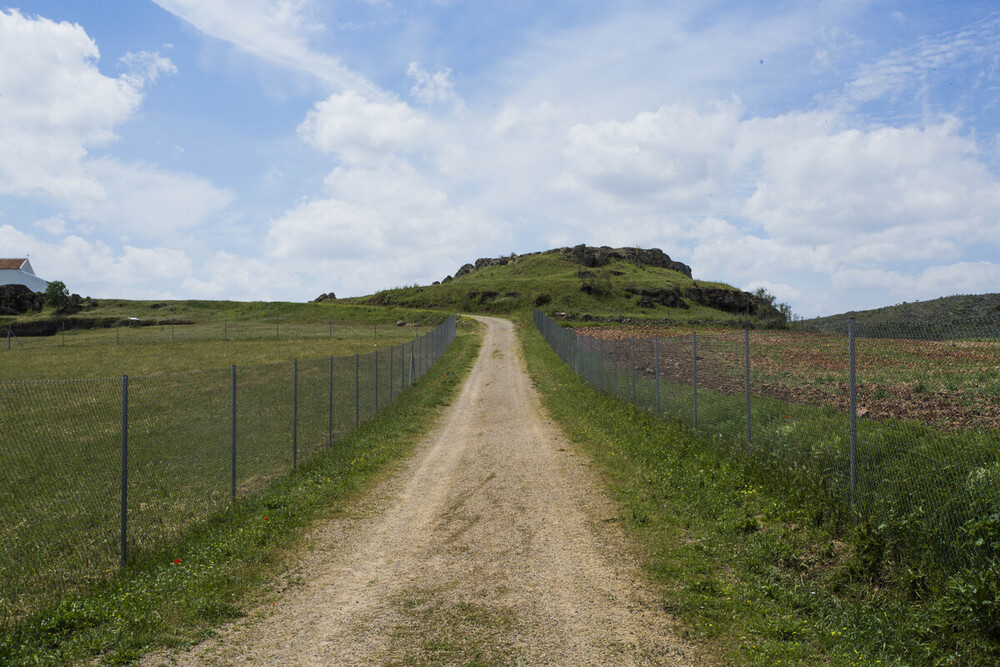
493, 546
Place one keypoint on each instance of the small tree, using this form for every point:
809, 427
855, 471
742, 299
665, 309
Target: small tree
56, 294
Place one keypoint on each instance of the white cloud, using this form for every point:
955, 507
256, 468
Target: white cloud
277, 31
230, 276
359, 130
674, 157
146, 67
908, 192
908, 69
56, 106
382, 222
148, 202
431, 89
54, 226
94, 268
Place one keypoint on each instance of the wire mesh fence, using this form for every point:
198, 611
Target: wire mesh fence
133, 331
899, 422
94, 471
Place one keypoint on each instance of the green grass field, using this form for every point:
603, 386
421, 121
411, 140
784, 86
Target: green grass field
220, 567
761, 555
61, 459
919, 554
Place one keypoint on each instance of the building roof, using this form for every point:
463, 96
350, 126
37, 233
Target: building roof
12, 263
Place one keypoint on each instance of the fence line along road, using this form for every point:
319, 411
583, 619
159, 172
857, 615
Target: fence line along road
130, 330
93, 470
900, 422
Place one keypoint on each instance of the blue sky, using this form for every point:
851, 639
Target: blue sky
842, 154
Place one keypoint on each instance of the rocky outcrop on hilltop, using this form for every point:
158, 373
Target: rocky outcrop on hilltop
584, 255
589, 256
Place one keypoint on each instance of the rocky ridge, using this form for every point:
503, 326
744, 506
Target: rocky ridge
584, 255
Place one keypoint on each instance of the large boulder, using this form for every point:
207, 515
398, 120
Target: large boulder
649, 297
466, 269
19, 300
727, 300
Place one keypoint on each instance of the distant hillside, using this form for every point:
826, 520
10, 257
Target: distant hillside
948, 311
581, 282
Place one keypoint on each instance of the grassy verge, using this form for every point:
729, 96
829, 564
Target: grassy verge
761, 570
221, 567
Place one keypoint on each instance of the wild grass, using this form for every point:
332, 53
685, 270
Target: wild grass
219, 566
759, 549
61, 455
304, 332
518, 287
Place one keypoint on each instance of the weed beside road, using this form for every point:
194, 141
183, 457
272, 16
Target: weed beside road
766, 568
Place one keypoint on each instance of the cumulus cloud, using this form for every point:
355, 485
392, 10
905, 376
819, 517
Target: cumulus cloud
676, 156
910, 191
56, 107
94, 268
358, 130
386, 218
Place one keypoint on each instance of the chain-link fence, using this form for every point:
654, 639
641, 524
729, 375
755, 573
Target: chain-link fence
135, 331
93, 471
900, 422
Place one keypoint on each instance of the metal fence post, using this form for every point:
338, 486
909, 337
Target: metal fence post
64, 333
329, 436
376, 380
576, 353
853, 406
746, 359
118, 326
124, 484
614, 354
225, 328
694, 374
295, 413
603, 374
357, 395
232, 435
411, 363
392, 349
656, 369
632, 362
171, 330
277, 327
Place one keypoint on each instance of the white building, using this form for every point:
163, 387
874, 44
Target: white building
19, 272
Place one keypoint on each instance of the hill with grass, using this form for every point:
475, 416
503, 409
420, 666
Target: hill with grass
584, 283
946, 311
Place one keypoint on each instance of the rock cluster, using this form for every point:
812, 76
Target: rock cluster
650, 297
18, 300
730, 301
587, 256
329, 296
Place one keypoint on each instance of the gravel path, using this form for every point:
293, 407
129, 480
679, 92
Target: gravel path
493, 545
